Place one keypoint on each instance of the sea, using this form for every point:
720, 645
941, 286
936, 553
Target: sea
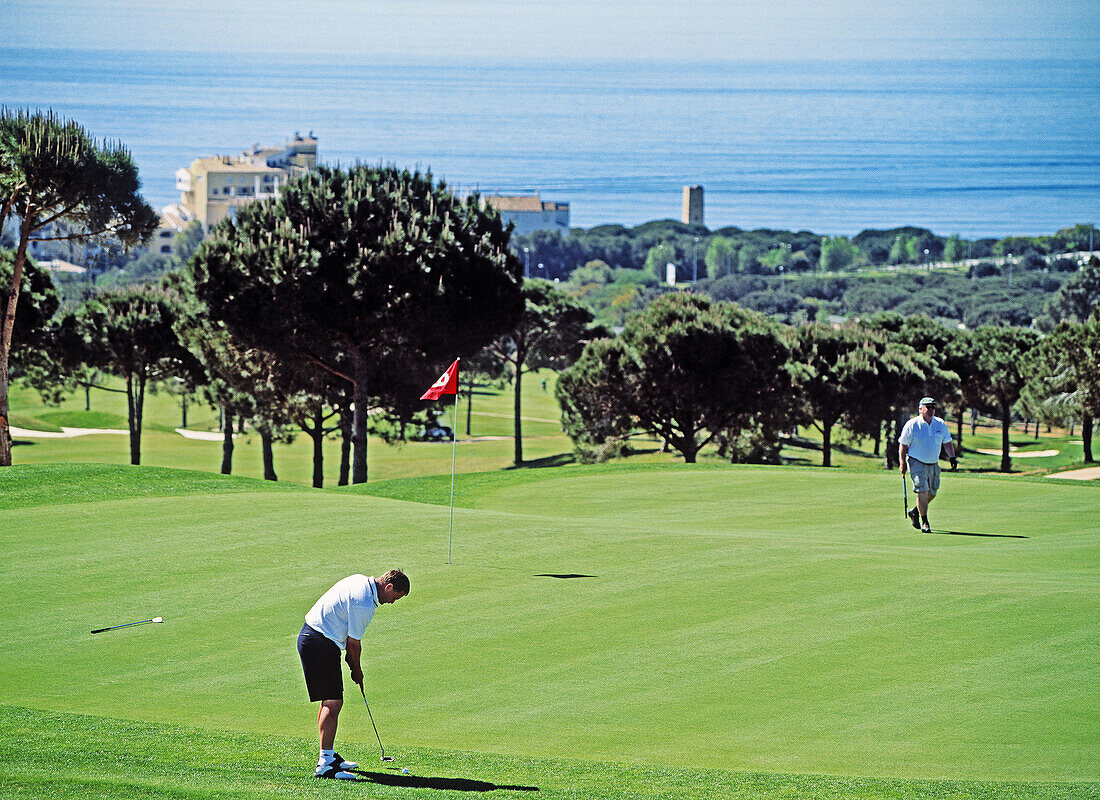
981, 146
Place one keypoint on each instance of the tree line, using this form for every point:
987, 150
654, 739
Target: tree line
696, 252
696, 372
329, 309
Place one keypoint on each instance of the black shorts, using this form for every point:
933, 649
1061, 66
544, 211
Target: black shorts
321, 665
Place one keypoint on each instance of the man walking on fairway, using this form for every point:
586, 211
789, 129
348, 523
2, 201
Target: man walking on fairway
336, 623
919, 452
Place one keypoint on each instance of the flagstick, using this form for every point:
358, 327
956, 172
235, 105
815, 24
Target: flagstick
454, 448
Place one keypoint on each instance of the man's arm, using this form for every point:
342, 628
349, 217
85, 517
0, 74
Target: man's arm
949, 448
353, 650
903, 452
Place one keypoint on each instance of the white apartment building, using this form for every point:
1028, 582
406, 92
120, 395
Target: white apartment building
214, 187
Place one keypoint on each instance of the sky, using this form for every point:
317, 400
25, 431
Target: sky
565, 30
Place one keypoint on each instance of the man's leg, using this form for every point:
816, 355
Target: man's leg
328, 715
924, 499
321, 666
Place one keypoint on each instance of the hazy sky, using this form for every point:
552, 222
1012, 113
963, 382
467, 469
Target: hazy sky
565, 29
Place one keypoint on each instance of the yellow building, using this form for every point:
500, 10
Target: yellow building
214, 187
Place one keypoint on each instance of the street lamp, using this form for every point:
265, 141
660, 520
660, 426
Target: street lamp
526, 262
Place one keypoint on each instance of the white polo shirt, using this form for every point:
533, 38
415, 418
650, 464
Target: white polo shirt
925, 438
345, 610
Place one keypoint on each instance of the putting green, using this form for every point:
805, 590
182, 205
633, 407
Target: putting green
778, 620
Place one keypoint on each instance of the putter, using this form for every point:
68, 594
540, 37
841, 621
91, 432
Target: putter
905, 495
376, 736
128, 624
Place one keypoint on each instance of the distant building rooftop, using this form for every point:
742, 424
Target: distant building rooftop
57, 265
512, 202
521, 202
174, 215
231, 164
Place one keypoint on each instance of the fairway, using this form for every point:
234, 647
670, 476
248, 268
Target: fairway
774, 621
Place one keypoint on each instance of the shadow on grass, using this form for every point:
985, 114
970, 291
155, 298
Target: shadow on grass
560, 460
983, 535
443, 784
563, 575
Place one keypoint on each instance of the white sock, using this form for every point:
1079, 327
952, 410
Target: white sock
326, 757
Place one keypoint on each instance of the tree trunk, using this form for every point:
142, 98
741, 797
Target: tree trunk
5, 431
518, 426
183, 410
687, 447
345, 448
1006, 425
1086, 436
959, 432
359, 419
318, 434
87, 397
826, 444
7, 325
135, 400
269, 456
469, 404
878, 440
891, 460
227, 441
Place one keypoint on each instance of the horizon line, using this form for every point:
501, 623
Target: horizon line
388, 58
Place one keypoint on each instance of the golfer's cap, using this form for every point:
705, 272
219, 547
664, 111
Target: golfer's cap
927, 401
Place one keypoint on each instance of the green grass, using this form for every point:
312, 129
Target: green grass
56, 484
96, 758
742, 631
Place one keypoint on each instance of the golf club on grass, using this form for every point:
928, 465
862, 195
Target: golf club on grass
128, 624
376, 736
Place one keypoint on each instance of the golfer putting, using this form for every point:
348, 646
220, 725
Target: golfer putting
337, 623
919, 453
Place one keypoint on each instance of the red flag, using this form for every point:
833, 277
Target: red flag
447, 384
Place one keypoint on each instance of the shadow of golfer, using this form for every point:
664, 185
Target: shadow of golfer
983, 535
563, 575
446, 784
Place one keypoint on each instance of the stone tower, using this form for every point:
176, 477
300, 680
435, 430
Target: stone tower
693, 205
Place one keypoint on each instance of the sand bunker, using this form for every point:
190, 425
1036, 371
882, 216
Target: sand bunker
1014, 454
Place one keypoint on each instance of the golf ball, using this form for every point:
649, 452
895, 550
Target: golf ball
405, 770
